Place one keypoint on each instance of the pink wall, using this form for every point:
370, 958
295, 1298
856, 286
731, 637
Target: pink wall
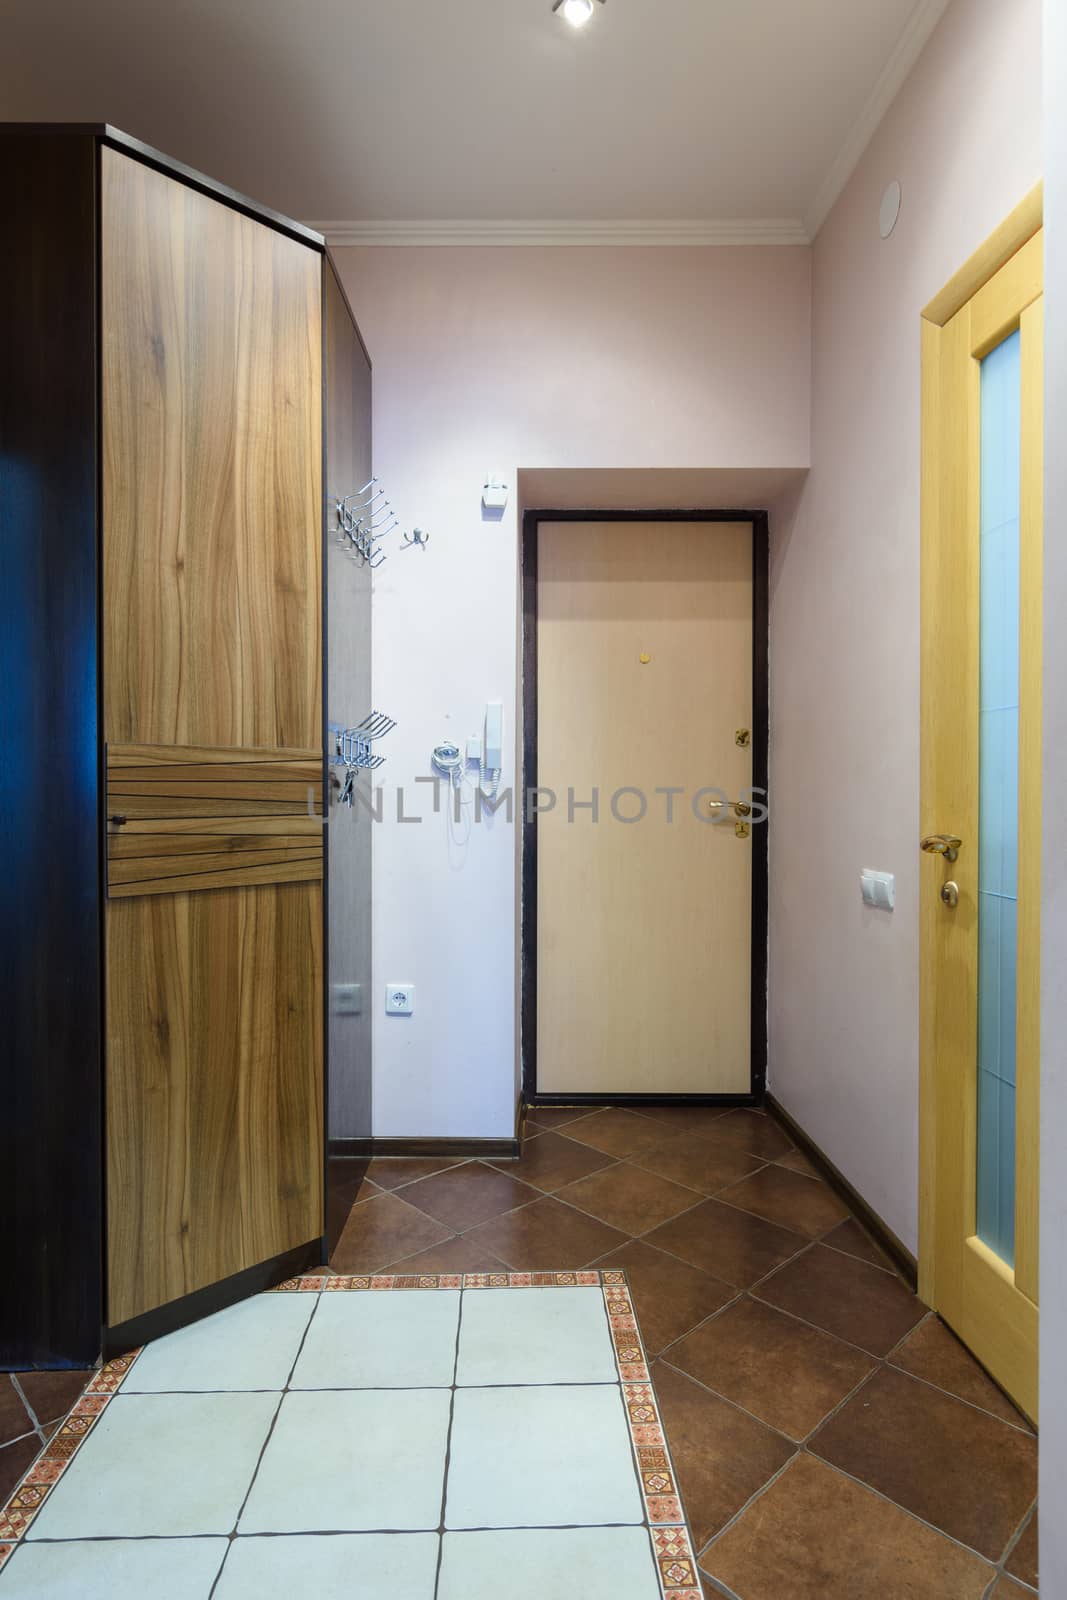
964, 140
514, 359
505, 359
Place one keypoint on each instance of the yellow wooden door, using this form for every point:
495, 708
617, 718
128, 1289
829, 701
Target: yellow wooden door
981, 814
212, 704
644, 877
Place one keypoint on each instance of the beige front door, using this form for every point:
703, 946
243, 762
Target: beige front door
644, 868
981, 810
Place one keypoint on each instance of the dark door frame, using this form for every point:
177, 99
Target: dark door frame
760, 719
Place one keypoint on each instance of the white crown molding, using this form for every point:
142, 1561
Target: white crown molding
920, 25
696, 231
764, 231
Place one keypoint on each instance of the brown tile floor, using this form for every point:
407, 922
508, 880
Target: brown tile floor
32, 1404
834, 1441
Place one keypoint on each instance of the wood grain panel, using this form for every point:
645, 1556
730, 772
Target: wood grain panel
148, 780
212, 470
1019, 226
252, 826
204, 808
145, 779
163, 757
1031, 666
949, 804
931, 577
229, 788
653, 917
231, 872
126, 847
211, 394
214, 1121
241, 796
998, 307
988, 1303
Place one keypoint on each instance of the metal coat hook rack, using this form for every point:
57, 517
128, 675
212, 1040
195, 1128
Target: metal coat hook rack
365, 518
416, 539
353, 749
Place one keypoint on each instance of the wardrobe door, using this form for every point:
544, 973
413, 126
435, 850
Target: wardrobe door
212, 696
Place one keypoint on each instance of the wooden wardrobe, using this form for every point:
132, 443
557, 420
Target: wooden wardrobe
165, 842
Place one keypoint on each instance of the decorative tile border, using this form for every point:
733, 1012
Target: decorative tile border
59, 1452
315, 1283
671, 1544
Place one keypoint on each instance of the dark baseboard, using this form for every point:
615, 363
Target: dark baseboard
368, 1149
639, 1100
880, 1231
215, 1297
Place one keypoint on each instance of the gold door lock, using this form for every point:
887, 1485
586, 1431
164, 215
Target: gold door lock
950, 894
742, 830
743, 737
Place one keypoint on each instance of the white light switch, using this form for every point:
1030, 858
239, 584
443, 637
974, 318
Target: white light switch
347, 999
878, 888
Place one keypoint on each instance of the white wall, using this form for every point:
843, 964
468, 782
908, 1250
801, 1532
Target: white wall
1054, 907
509, 359
963, 138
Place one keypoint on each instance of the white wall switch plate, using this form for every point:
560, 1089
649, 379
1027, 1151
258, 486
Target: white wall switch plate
399, 999
346, 999
878, 889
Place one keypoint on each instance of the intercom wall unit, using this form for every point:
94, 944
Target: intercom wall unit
493, 757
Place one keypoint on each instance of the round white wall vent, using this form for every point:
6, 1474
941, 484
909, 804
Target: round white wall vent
889, 210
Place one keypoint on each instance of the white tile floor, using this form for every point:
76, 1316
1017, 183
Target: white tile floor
357, 1445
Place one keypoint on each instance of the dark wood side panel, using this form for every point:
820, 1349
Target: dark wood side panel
214, 1132
348, 466
49, 814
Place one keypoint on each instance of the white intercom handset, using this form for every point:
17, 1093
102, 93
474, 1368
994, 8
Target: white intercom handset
484, 751
493, 747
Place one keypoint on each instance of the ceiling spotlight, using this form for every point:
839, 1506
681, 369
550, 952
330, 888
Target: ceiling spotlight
576, 12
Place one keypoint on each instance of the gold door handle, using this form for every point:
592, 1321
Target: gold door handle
740, 807
941, 844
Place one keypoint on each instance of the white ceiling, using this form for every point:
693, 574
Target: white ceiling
734, 118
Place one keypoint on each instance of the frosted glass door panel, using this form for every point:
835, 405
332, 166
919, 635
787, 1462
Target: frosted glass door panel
998, 846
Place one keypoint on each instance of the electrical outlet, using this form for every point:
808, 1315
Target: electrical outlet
399, 999
347, 999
